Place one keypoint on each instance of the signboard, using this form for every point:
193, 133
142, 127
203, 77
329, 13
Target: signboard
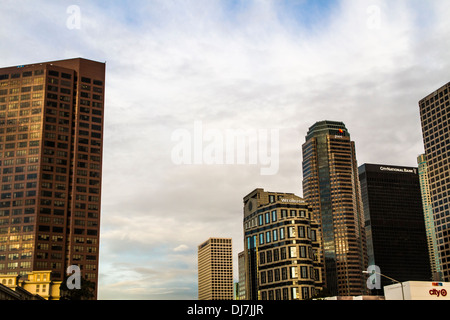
418, 290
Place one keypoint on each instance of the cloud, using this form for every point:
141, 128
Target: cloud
230, 65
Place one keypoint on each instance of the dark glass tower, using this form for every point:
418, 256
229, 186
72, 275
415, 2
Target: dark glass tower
395, 223
331, 187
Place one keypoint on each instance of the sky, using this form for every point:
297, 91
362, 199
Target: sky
183, 74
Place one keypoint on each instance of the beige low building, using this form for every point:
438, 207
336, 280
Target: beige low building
215, 269
36, 283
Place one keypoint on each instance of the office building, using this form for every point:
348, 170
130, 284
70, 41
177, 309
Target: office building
282, 250
429, 220
331, 187
215, 269
35, 283
395, 224
434, 117
241, 270
51, 133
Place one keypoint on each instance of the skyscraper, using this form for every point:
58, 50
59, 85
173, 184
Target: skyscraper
395, 224
429, 219
331, 187
434, 116
215, 269
51, 133
282, 248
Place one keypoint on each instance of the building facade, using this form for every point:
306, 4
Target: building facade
435, 263
331, 187
215, 269
434, 117
51, 146
395, 224
36, 285
283, 256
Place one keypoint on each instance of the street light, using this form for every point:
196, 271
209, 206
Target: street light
401, 284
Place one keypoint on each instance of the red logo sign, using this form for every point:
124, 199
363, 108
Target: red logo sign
439, 293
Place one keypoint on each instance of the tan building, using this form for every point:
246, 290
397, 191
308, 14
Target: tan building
51, 146
434, 117
282, 253
33, 284
332, 189
435, 262
215, 269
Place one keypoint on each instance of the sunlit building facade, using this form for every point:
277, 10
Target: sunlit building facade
429, 219
331, 187
283, 257
51, 146
215, 269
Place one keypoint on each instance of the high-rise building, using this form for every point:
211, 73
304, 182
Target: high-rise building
429, 220
51, 133
215, 269
395, 224
435, 117
331, 187
241, 268
281, 247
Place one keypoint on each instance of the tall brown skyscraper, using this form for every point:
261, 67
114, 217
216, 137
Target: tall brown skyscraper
51, 133
331, 187
435, 116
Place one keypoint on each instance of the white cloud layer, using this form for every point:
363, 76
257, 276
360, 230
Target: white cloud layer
230, 65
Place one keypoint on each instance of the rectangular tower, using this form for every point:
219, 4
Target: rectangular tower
429, 219
51, 146
331, 187
215, 269
395, 224
435, 116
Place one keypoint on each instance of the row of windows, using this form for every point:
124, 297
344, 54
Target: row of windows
270, 256
23, 74
283, 294
286, 273
270, 217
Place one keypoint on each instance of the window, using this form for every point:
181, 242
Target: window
292, 252
274, 215
267, 236
294, 272
291, 232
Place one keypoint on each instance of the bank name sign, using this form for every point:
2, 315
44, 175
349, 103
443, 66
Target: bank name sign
402, 170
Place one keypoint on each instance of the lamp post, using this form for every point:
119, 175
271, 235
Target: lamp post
401, 284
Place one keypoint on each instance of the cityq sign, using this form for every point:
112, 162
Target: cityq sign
438, 292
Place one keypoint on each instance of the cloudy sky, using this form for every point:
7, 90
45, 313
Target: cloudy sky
174, 66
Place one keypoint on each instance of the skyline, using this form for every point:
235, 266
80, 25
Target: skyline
264, 65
